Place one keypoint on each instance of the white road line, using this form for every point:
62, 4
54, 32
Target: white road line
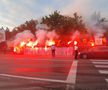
99, 60
72, 73
103, 71
72, 76
70, 79
101, 66
100, 63
33, 78
106, 80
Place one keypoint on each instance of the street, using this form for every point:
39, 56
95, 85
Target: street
92, 75
24, 72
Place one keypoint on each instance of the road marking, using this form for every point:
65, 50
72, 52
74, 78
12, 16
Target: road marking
101, 66
106, 80
100, 62
103, 71
33, 78
72, 73
72, 76
70, 79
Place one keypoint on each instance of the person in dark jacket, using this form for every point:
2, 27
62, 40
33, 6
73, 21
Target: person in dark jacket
76, 51
53, 50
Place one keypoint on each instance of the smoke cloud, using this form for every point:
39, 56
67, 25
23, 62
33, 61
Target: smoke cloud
52, 35
42, 34
95, 25
75, 35
23, 36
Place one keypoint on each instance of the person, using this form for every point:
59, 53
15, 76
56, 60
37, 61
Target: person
76, 51
53, 50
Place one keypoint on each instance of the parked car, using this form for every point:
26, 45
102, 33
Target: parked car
94, 52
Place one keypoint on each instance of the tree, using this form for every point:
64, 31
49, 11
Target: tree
28, 25
7, 33
64, 24
79, 24
53, 20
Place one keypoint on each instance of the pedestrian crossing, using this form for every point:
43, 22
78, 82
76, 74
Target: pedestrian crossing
102, 67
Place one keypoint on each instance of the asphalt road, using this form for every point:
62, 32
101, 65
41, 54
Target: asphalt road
24, 72
92, 74
27, 72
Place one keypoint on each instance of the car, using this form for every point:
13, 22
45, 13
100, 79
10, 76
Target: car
94, 52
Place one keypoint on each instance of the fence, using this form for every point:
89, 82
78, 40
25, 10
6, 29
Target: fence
60, 51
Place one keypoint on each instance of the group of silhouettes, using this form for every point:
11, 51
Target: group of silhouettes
53, 48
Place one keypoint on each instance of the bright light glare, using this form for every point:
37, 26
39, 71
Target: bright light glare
69, 42
75, 42
92, 44
22, 44
16, 49
29, 44
46, 48
50, 43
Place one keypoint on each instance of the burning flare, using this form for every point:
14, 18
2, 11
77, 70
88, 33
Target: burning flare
50, 42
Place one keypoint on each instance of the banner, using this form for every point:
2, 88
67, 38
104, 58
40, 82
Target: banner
59, 51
